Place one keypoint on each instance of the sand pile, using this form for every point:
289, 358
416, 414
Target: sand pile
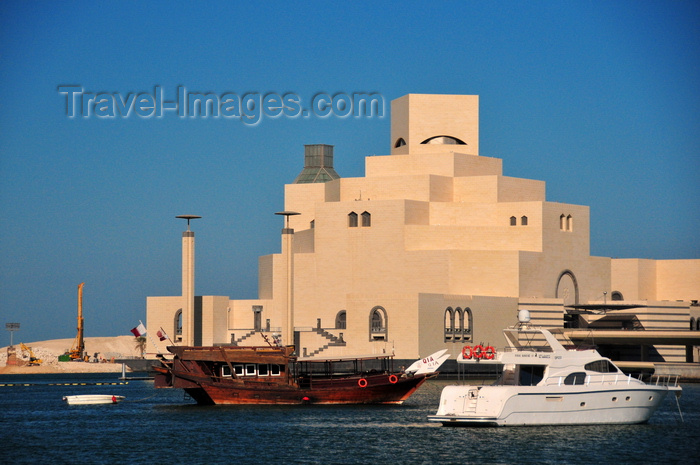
107, 348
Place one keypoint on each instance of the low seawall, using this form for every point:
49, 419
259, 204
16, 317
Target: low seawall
139, 364
689, 372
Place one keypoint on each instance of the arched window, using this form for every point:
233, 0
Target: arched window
399, 143
312, 224
567, 288
459, 324
523, 220
377, 324
449, 324
178, 326
467, 323
616, 295
513, 221
569, 223
562, 222
366, 220
352, 220
341, 320
445, 140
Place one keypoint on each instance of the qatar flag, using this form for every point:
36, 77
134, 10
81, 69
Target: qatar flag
139, 331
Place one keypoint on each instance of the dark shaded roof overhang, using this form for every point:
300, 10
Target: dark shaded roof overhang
632, 337
599, 308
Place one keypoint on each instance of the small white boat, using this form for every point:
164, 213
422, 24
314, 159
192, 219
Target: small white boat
93, 399
544, 383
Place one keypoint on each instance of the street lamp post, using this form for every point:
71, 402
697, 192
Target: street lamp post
188, 336
288, 235
12, 327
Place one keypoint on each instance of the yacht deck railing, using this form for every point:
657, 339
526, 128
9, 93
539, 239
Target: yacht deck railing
616, 379
664, 380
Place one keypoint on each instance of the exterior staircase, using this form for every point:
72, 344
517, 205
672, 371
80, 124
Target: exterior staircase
238, 341
327, 340
333, 341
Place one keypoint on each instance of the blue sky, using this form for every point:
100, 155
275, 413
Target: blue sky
601, 100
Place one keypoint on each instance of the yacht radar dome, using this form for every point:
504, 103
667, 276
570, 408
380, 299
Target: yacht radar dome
524, 316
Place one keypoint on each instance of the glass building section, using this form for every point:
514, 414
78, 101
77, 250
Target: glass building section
318, 165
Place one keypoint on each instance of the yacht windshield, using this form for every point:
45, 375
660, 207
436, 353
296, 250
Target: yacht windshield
601, 366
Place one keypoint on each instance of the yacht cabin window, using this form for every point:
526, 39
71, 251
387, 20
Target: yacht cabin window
575, 378
601, 366
530, 375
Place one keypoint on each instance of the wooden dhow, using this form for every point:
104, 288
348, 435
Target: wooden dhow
274, 375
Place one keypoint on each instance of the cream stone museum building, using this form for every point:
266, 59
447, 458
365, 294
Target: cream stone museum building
433, 248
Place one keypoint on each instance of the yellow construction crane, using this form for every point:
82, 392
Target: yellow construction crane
33, 361
76, 352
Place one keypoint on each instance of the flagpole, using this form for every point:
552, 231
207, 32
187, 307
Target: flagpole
166, 335
148, 335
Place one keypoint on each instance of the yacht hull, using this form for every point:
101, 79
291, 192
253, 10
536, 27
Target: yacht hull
523, 406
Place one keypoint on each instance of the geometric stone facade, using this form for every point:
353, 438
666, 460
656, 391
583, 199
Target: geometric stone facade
433, 248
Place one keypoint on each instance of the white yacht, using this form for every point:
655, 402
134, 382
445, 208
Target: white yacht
544, 383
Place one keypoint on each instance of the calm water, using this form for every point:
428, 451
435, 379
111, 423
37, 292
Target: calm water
163, 427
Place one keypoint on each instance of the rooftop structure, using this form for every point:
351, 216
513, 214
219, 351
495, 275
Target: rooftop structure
318, 165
